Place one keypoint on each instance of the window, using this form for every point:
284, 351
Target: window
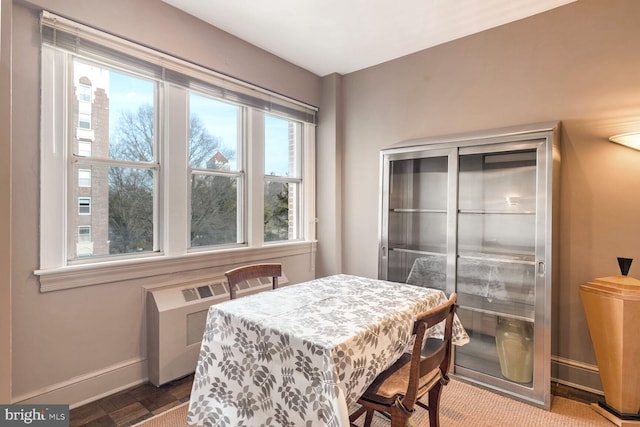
84, 205
84, 94
84, 234
84, 101
84, 245
84, 148
165, 157
122, 158
216, 181
283, 179
84, 177
84, 121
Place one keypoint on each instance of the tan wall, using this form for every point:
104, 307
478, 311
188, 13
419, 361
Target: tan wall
5, 201
73, 345
574, 64
578, 64
329, 182
156, 24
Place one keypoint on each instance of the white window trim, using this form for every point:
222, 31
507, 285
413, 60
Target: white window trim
81, 275
53, 165
55, 272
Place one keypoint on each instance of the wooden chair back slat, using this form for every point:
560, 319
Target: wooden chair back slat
255, 271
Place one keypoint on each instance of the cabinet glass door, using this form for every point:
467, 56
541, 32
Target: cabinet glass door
496, 280
417, 221
474, 214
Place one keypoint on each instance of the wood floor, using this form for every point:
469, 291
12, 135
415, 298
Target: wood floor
131, 406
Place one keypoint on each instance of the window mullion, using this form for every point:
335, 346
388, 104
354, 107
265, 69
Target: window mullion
175, 176
255, 178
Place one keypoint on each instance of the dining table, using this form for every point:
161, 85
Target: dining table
302, 355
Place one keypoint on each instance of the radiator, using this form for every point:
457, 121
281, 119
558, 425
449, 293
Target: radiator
176, 317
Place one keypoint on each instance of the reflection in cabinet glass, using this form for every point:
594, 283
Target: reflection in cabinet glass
474, 214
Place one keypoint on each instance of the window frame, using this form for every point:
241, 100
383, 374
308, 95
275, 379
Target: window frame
86, 205
174, 252
84, 121
239, 173
296, 178
94, 159
83, 144
84, 91
84, 181
84, 227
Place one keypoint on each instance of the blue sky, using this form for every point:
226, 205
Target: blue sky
220, 119
127, 93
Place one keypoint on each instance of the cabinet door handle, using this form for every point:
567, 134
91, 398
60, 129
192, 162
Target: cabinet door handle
540, 267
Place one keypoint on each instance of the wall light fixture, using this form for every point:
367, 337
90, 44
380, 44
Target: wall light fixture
631, 139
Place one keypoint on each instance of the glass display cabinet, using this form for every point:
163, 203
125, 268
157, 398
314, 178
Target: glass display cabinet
474, 214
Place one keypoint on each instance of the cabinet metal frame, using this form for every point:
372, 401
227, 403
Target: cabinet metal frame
543, 137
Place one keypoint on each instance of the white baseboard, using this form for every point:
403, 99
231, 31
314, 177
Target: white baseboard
84, 389
90, 387
579, 375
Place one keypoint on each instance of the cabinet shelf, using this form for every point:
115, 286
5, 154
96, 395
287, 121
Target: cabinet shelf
497, 257
425, 251
498, 308
494, 212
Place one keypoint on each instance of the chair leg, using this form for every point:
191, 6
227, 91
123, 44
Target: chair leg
434, 405
398, 418
368, 418
356, 414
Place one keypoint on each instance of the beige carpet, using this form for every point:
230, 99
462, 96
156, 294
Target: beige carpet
464, 405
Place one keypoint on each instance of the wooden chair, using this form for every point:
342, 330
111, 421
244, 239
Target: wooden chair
396, 391
255, 271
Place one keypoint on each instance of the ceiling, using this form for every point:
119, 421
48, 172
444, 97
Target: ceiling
342, 36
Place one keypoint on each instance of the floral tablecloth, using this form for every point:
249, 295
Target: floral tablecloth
300, 355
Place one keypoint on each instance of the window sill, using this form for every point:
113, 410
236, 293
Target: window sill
117, 271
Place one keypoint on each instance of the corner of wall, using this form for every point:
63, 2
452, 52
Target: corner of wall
5, 196
329, 177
